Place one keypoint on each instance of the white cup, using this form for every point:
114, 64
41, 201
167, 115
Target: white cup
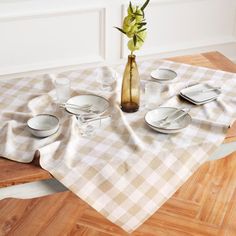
88, 128
107, 79
62, 86
152, 94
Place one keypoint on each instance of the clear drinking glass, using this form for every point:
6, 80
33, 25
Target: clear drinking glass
62, 86
87, 128
107, 79
152, 94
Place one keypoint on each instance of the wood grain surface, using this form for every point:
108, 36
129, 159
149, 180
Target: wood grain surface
204, 205
13, 173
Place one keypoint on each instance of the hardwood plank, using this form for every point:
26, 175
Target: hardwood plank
212, 214
195, 60
220, 190
172, 224
213, 60
161, 223
183, 207
195, 192
92, 219
220, 61
52, 215
228, 226
85, 231
13, 173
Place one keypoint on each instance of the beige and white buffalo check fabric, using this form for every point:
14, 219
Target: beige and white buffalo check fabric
126, 171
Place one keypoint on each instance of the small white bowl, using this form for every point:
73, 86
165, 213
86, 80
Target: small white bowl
43, 125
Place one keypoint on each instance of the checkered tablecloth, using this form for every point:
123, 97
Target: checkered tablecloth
126, 171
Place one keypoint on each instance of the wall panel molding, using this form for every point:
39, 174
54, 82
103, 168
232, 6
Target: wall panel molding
40, 35
47, 13
92, 43
234, 28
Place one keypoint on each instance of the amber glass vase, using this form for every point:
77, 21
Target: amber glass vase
130, 94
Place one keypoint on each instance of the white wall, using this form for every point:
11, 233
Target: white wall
44, 34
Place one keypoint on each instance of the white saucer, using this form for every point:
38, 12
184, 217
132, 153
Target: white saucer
154, 116
163, 75
98, 103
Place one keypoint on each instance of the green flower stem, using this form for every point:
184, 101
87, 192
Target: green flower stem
131, 76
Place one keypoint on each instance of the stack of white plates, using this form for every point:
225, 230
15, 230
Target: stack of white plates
163, 75
200, 94
155, 117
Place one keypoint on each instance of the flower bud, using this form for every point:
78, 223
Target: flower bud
128, 22
133, 10
142, 35
136, 47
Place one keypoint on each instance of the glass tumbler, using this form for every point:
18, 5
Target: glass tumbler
87, 128
107, 79
152, 94
63, 87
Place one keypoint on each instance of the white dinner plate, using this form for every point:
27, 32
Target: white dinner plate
98, 104
199, 95
153, 117
163, 75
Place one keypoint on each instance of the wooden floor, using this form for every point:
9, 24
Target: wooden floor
204, 205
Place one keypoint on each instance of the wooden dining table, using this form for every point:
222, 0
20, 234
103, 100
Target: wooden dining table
204, 205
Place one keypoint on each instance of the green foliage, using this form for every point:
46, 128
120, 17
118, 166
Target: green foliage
144, 5
134, 26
